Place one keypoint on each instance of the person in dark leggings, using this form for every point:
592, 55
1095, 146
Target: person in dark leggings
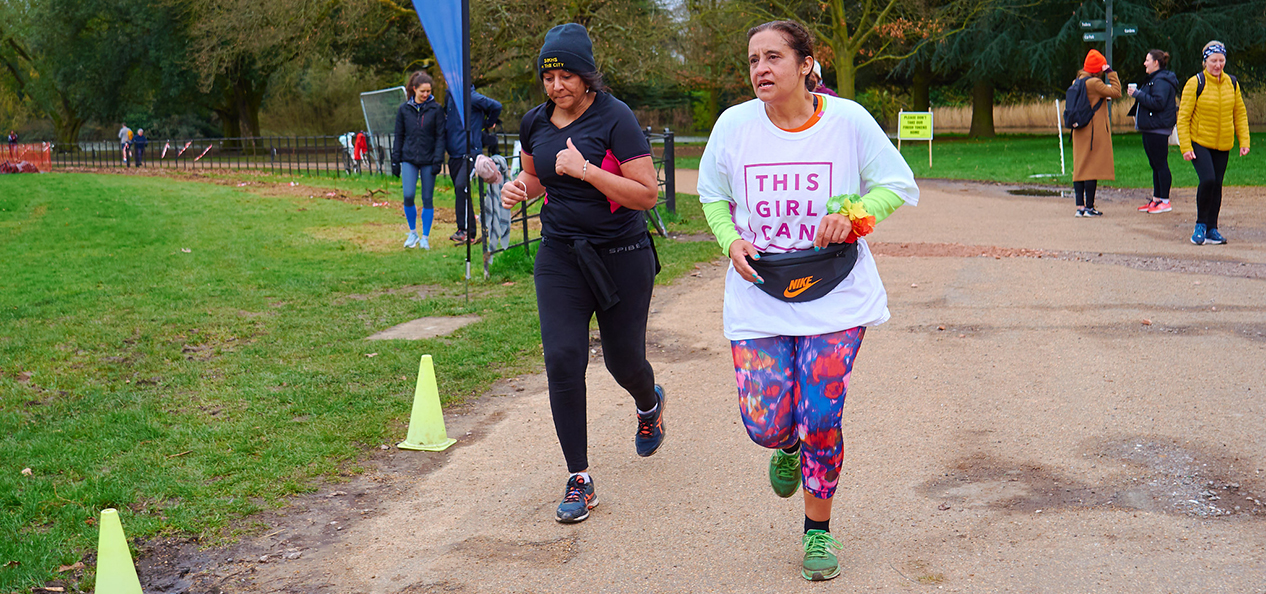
1210, 119
586, 149
481, 115
1155, 113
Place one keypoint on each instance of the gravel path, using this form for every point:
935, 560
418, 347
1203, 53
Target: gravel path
1058, 405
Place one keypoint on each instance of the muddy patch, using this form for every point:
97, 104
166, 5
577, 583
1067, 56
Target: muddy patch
544, 553
1229, 268
1034, 192
423, 328
952, 250
1156, 476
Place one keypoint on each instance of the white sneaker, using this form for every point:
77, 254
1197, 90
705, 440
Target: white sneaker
423, 243
411, 240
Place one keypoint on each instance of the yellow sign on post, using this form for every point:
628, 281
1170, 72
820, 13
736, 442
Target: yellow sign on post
915, 125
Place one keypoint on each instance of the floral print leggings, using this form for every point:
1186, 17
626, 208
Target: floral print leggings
792, 388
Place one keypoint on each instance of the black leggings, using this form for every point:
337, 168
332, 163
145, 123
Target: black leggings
1085, 192
566, 304
465, 202
1210, 168
1156, 146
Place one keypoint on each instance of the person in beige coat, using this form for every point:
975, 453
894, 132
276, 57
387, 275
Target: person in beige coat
1092, 145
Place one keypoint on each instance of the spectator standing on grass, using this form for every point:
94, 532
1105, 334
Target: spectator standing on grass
13, 144
418, 154
125, 141
1210, 118
480, 115
586, 149
789, 181
1092, 144
139, 142
1155, 113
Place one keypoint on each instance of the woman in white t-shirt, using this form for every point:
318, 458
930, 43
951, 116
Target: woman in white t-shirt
789, 182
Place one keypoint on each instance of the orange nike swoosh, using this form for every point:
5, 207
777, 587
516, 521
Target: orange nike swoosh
788, 293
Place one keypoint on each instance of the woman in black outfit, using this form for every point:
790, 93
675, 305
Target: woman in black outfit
586, 149
1155, 113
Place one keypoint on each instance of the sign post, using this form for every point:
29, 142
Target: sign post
915, 125
1105, 30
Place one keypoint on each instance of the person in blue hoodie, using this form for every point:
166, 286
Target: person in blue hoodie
481, 114
1155, 113
418, 154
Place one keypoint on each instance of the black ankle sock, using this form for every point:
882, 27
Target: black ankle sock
793, 450
816, 525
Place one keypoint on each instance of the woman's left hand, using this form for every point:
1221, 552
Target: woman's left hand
1243, 151
834, 228
569, 161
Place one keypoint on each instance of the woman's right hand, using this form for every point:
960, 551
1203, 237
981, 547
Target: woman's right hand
1189, 155
513, 193
740, 250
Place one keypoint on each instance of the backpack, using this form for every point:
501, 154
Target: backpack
1077, 109
1235, 84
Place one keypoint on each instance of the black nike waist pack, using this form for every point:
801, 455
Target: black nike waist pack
805, 275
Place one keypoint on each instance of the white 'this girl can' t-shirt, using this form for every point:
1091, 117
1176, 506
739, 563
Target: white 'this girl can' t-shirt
777, 184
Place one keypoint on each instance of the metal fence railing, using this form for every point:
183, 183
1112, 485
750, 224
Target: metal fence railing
323, 155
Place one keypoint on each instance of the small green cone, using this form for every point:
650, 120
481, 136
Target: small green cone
426, 424
115, 572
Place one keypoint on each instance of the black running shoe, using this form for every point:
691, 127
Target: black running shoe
650, 428
578, 499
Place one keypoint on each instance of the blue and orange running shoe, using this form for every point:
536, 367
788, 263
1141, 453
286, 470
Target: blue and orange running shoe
578, 499
650, 428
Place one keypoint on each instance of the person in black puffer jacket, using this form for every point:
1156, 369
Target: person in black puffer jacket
1155, 113
418, 153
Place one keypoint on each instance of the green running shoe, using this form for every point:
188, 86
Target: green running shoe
819, 563
784, 473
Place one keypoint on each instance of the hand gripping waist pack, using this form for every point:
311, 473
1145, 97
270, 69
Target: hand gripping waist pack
807, 274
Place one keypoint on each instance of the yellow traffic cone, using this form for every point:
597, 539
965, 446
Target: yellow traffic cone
115, 572
426, 424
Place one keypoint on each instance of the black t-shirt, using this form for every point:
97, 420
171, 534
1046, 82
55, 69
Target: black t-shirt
607, 134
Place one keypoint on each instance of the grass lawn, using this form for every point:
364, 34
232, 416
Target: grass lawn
189, 353
1014, 159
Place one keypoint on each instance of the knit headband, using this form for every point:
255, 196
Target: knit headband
1214, 49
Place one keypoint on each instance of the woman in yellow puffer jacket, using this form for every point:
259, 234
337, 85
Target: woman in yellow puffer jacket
1209, 120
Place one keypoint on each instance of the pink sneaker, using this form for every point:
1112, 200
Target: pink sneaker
1159, 207
1147, 207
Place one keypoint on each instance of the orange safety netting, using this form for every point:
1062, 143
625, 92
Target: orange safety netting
38, 154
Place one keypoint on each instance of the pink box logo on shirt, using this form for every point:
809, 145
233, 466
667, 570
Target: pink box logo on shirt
784, 202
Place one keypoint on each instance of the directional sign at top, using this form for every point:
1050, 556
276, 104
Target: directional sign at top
1094, 24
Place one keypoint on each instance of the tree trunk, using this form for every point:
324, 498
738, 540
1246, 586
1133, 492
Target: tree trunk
66, 123
981, 110
845, 76
920, 88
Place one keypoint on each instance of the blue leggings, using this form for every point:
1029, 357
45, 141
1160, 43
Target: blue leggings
410, 174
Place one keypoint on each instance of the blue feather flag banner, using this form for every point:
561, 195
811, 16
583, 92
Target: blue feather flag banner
442, 22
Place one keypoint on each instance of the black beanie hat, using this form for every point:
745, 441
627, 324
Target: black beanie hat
567, 46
